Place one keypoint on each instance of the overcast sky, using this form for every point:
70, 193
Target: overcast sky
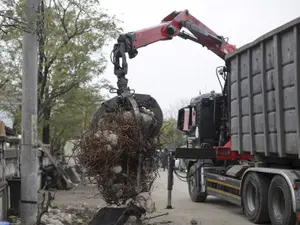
179, 69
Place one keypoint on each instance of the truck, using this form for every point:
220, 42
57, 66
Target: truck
257, 116
244, 143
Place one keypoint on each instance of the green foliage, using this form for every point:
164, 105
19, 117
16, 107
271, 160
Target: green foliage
71, 116
71, 38
171, 137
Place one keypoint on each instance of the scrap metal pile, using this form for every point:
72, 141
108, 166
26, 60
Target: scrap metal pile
119, 150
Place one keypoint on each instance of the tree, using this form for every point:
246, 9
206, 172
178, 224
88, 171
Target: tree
172, 111
71, 117
71, 36
171, 137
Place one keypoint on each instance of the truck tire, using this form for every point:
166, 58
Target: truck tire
279, 203
255, 198
195, 195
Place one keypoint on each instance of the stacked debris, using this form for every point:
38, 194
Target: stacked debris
81, 214
65, 215
119, 151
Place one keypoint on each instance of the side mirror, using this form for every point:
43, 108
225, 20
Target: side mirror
186, 118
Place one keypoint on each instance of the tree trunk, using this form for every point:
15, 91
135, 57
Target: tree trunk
46, 126
17, 120
42, 77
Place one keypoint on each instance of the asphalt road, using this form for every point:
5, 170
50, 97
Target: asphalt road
213, 212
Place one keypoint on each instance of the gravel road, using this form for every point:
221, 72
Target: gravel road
212, 212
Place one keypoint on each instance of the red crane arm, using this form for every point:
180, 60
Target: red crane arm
169, 27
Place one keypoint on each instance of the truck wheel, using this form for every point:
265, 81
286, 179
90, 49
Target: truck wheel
195, 195
255, 198
279, 203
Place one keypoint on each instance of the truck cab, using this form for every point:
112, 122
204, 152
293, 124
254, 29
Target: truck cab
203, 121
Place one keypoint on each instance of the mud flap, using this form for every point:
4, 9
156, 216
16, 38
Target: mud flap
116, 216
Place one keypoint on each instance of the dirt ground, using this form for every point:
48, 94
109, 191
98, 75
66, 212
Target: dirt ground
212, 212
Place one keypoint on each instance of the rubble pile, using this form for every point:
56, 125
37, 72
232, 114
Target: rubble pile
110, 154
81, 215
65, 215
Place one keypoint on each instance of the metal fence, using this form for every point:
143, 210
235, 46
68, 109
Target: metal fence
10, 180
10, 149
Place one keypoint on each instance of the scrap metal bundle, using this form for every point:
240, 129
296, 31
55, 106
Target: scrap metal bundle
119, 149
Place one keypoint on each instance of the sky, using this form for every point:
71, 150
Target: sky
176, 70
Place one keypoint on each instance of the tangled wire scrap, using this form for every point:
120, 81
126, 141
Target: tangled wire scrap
110, 155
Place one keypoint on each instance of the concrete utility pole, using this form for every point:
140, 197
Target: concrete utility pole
29, 162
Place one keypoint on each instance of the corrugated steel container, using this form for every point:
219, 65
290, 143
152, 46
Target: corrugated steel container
264, 84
